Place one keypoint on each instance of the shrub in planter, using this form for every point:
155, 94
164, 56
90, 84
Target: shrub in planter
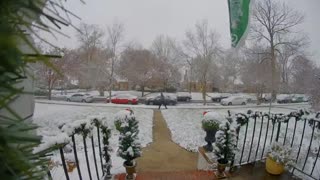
279, 156
210, 124
225, 145
129, 147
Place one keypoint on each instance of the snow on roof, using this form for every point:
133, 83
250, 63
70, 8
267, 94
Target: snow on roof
119, 79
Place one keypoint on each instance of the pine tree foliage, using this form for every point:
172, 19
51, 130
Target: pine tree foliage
129, 147
226, 141
18, 18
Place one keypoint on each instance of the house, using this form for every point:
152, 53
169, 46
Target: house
120, 84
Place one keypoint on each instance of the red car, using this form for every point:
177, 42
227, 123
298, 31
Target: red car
123, 99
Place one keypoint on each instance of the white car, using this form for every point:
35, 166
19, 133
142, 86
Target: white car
80, 98
234, 100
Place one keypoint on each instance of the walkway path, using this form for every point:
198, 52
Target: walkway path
163, 155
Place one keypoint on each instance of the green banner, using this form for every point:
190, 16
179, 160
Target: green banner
239, 11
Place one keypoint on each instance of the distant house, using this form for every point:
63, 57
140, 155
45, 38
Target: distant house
120, 84
196, 87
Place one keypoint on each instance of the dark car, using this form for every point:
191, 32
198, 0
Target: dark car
299, 99
156, 100
285, 100
184, 97
218, 98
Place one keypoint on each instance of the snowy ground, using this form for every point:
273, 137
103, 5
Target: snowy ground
185, 126
178, 106
51, 116
184, 122
195, 95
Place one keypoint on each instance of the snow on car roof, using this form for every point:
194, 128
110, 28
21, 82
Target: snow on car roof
125, 95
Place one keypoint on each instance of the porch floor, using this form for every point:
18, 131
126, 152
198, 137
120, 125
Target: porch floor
247, 172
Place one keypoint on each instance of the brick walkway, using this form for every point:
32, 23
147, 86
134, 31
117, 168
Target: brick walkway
163, 155
248, 172
183, 175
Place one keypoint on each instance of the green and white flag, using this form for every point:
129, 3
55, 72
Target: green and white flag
239, 13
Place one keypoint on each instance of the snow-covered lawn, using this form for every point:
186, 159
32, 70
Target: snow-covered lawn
52, 116
185, 127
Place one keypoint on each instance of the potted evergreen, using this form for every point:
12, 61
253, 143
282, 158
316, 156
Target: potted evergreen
278, 157
225, 145
129, 147
210, 124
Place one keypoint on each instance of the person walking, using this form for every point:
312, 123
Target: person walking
162, 101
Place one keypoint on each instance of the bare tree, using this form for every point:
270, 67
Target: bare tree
90, 38
201, 45
287, 53
229, 66
115, 34
272, 22
303, 74
167, 75
253, 73
49, 76
167, 49
138, 67
167, 52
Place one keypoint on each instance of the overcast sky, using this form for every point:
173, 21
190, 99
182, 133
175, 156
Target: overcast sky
145, 19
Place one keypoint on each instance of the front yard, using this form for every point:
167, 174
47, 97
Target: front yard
50, 117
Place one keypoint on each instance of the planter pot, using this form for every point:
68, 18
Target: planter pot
130, 170
71, 166
273, 167
210, 138
222, 164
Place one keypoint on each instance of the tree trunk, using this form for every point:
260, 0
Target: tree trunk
111, 78
204, 93
101, 91
190, 81
49, 93
273, 75
142, 91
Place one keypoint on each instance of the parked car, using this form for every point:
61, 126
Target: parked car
234, 100
80, 98
299, 99
251, 98
284, 100
156, 100
123, 99
218, 98
184, 96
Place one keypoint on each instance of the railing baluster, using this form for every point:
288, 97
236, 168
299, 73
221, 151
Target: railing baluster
86, 154
294, 130
64, 163
278, 131
244, 142
254, 130
94, 157
315, 162
273, 123
100, 152
309, 145
304, 127
255, 157
265, 139
49, 175
76, 156
285, 134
